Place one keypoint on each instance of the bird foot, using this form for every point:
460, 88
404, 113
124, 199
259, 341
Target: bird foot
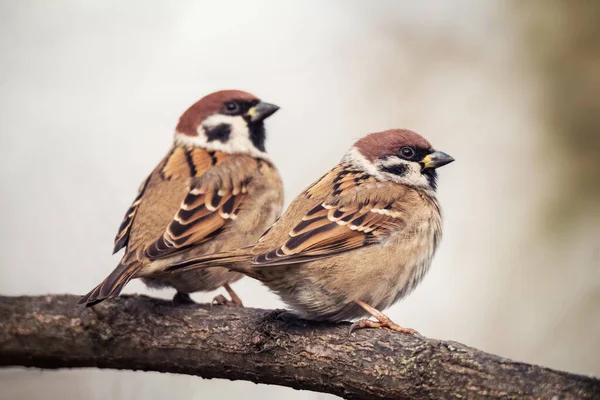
181, 299
367, 323
383, 321
221, 300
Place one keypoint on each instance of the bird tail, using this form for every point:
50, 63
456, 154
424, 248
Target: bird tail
236, 260
112, 285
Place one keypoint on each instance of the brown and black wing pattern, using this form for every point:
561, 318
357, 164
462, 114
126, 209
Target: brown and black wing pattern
202, 214
213, 200
123, 235
346, 220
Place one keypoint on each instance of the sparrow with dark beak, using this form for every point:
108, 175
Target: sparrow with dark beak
215, 190
357, 240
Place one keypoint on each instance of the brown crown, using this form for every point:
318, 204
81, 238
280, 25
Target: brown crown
387, 143
207, 106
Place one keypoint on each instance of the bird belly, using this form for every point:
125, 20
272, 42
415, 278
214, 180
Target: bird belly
380, 275
200, 280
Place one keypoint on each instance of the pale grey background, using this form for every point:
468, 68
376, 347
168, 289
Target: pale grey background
91, 92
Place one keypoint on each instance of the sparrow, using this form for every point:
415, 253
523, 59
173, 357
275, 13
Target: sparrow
215, 190
354, 242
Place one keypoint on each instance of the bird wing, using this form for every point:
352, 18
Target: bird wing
211, 203
122, 237
357, 211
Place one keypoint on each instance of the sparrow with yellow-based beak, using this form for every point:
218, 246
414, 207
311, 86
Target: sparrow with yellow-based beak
215, 190
357, 240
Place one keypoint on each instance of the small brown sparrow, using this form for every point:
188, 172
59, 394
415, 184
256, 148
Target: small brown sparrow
215, 190
357, 240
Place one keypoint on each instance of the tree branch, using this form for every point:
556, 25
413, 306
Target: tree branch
264, 346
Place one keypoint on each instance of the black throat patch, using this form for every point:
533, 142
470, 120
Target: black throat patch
258, 135
431, 175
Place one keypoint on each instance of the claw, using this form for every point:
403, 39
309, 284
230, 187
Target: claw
383, 321
235, 299
220, 300
367, 323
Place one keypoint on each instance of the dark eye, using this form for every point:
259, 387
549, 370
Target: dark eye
407, 152
232, 107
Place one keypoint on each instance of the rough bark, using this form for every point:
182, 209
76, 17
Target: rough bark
265, 346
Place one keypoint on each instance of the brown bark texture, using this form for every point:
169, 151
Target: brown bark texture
265, 346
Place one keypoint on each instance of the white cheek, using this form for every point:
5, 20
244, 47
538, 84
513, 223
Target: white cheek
238, 142
412, 175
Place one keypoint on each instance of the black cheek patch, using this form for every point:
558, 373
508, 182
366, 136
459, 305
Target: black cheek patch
220, 132
396, 169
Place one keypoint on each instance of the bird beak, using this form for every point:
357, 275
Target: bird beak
261, 111
436, 159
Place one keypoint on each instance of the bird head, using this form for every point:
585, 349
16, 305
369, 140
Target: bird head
400, 156
231, 121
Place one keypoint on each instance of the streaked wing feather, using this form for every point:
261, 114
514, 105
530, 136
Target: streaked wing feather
329, 229
204, 212
122, 237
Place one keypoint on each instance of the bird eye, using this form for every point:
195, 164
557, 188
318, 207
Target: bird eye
232, 107
407, 152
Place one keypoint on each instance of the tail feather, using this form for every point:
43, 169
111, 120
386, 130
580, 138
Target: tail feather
111, 286
236, 260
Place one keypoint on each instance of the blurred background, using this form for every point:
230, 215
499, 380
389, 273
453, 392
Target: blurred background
91, 92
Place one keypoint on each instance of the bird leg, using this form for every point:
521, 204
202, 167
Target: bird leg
222, 300
182, 299
383, 321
